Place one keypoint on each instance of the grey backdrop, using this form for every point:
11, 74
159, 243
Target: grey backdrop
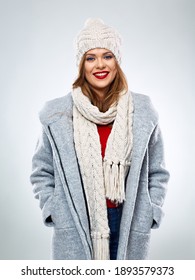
37, 63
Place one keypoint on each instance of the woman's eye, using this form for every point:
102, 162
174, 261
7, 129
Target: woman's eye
90, 58
108, 56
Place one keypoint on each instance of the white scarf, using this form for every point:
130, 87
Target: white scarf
102, 178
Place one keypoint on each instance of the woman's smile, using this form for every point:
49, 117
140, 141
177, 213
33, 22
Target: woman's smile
101, 75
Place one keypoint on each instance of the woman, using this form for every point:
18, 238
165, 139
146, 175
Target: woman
98, 169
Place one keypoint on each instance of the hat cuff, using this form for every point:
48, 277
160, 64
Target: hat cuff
103, 44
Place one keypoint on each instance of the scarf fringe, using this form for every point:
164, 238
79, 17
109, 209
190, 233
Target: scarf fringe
100, 246
114, 178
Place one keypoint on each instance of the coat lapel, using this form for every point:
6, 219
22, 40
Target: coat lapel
144, 122
60, 132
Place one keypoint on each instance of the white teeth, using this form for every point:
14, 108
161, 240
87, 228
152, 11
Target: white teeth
101, 74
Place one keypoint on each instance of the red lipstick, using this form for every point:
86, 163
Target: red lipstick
101, 75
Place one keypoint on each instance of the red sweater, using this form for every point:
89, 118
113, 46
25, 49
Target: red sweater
104, 132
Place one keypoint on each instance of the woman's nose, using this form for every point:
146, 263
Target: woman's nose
100, 63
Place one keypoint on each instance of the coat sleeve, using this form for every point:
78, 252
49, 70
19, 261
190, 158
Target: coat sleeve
42, 177
158, 176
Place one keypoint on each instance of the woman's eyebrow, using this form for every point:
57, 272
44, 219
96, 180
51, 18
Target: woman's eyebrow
90, 54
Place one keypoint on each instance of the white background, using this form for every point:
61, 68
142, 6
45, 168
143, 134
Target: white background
37, 63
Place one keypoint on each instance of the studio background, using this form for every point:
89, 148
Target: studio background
37, 63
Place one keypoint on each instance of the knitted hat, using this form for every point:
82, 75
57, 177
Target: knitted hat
96, 34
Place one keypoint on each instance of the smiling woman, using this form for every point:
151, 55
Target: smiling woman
98, 169
101, 78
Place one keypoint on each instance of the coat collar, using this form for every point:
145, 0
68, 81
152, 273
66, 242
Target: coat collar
145, 116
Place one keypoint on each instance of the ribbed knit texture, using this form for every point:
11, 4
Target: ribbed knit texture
102, 179
96, 34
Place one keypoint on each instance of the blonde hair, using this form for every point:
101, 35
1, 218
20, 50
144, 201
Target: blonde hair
118, 84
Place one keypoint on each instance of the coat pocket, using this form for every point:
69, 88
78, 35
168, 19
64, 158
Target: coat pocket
138, 245
67, 245
61, 214
143, 212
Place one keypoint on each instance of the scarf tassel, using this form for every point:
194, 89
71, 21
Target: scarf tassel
114, 176
100, 246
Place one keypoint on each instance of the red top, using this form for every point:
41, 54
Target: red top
104, 132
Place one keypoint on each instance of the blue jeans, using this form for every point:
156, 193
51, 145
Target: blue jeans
114, 219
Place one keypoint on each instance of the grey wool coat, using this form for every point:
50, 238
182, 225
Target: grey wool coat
57, 183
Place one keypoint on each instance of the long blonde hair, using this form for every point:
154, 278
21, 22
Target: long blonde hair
118, 84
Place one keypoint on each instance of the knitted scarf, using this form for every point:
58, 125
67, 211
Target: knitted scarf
102, 178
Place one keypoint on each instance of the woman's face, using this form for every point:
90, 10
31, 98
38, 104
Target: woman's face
100, 69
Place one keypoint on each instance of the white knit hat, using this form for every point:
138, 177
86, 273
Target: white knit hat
96, 34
